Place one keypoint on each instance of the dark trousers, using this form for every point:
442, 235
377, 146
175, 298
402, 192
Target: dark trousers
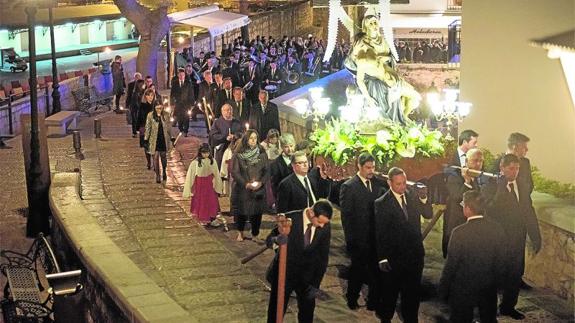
363, 270
305, 303
255, 220
134, 113
409, 285
515, 269
461, 308
160, 156
183, 119
117, 100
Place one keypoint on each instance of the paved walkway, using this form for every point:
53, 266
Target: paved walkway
199, 267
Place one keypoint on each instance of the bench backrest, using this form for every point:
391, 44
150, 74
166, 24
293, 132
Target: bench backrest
45, 259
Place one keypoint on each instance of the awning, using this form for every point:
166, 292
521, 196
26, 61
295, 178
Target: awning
211, 18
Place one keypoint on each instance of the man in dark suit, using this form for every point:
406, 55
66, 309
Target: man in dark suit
301, 189
517, 145
399, 245
281, 167
206, 95
223, 95
273, 77
252, 74
307, 259
509, 203
467, 140
240, 106
264, 116
356, 199
475, 264
224, 130
457, 184
130, 91
182, 98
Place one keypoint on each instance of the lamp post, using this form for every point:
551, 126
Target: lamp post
317, 108
449, 108
37, 190
56, 106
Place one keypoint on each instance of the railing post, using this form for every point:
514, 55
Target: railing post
47, 97
10, 125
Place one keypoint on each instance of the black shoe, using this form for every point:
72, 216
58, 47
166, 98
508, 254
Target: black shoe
165, 177
185, 134
352, 305
158, 180
133, 135
525, 286
513, 313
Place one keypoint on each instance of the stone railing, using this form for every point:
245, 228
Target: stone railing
115, 289
554, 266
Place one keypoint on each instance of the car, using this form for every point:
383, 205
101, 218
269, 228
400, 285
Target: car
11, 61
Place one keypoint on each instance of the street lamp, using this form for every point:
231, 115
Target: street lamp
448, 108
56, 105
317, 108
37, 183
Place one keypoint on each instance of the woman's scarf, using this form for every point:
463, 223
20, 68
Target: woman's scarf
251, 156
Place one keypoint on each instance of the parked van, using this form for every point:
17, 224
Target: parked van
11, 61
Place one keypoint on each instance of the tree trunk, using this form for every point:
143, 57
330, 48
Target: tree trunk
153, 26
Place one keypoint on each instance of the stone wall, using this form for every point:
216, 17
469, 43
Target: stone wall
100, 305
421, 76
554, 267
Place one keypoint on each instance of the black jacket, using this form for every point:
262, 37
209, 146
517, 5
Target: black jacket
304, 265
182, 97
292, 194
475, 260
278, 171
399, 240
264, 121
244, 116
356, 203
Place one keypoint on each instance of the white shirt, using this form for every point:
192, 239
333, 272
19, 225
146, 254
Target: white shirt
302, 180
475, 217
364, 180
306, 221
462, 157
398, 198
514, 187
287, 159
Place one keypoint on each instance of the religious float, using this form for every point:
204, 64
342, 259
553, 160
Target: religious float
378, 107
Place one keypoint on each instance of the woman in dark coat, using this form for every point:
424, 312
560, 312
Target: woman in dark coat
137, 98
119, 82
146, 106
250, 172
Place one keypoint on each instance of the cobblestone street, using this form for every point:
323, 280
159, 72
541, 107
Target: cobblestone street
200, 267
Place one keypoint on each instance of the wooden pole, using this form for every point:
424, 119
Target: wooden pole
432, 222
284, 227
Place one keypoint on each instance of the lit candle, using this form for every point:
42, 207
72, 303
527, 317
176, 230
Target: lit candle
229, 131
189, 112
247, 126
168, 109
204, 100
254, 184
171, 119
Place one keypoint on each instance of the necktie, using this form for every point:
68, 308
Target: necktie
308, 191
512, 189
307, 235
228, 94
368, 185
404, 206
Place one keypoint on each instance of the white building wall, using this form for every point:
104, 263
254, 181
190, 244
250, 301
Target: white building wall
97, 33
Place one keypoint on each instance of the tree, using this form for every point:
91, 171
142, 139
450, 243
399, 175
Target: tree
152, 24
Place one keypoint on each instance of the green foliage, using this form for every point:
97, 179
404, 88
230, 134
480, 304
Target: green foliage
555, 188
386, 141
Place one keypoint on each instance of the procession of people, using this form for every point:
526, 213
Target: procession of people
251, 161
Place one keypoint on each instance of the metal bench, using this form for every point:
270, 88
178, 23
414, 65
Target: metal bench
2, 143
59, 122
32, 281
